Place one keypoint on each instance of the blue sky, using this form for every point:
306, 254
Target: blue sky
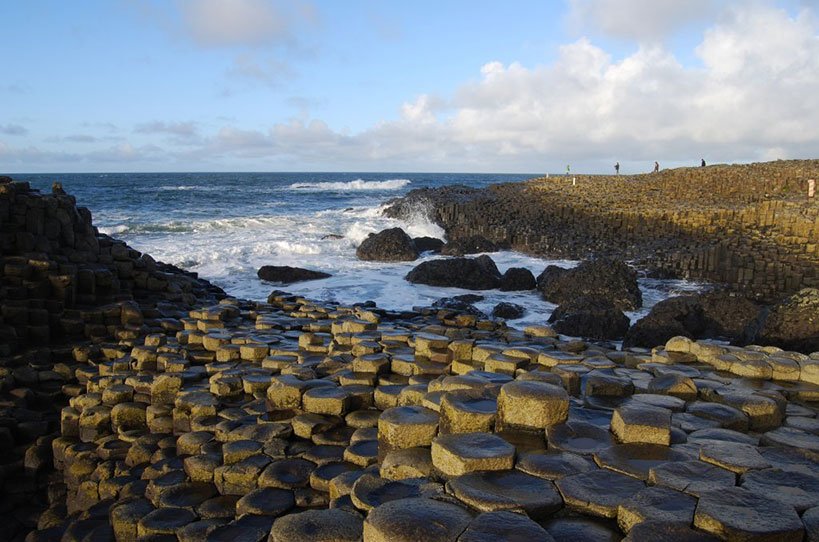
268, 85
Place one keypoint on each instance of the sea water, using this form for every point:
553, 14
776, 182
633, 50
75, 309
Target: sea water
225, 226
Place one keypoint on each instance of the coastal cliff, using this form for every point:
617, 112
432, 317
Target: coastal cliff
749, 227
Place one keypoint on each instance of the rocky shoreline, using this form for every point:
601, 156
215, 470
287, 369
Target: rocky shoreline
140, 403
747, 227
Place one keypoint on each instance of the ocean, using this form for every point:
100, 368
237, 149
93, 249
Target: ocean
224, 226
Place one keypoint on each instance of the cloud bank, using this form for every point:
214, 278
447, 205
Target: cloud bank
751, 95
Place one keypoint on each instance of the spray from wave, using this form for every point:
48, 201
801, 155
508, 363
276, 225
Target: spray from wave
358, 184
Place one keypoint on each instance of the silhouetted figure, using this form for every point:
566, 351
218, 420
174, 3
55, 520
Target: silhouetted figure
702, 162
656, 167
617, 168
568, 169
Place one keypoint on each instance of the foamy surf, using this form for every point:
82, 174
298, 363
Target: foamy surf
358, 184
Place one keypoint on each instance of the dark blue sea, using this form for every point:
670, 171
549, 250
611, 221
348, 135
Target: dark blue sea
226, 225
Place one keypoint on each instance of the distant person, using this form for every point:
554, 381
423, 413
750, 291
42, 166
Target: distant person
568, 169
656, 167
617, 168
702, 162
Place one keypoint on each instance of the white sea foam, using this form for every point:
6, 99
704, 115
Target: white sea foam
358, 184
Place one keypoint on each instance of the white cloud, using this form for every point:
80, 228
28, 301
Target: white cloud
241, 22
640, 20
752, 98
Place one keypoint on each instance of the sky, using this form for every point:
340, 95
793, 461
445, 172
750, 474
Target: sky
441, 86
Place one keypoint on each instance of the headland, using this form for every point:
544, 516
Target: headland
141, 403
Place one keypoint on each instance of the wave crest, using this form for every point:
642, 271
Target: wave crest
358, 184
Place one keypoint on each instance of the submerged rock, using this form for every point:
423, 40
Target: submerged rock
287, 275
509, 311
391, 245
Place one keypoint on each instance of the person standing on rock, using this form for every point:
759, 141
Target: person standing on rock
702, 162
656, 167
617, 168
568, 169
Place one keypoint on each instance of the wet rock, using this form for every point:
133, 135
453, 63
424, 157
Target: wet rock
507, 490
637, 459
733, 456
469, 273
583, 529
598, 492
791, 324
409, 520
604, 279
391, 245
370, 491
318, 526
553, 465
692, 477
428, 244
664, 531
508, 311
738, 514
579, 437
517, 279
288, 275
266, 501
589, 317
656, 504
798, 489
469, 245
503, 525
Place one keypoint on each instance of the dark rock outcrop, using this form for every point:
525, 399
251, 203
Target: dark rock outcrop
589, 317
428, 244
603, 278
792, 324
517, 279
712, 315
458, 305
287, 275
509, 311
392, 245
479, 273
469, 245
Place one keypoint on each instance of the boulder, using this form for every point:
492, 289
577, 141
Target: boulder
470, 273
428, 244
286, 274
469, 245
712, 315
588, 317
517, 279
605, 279
509, 311
792, 323
391, 245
